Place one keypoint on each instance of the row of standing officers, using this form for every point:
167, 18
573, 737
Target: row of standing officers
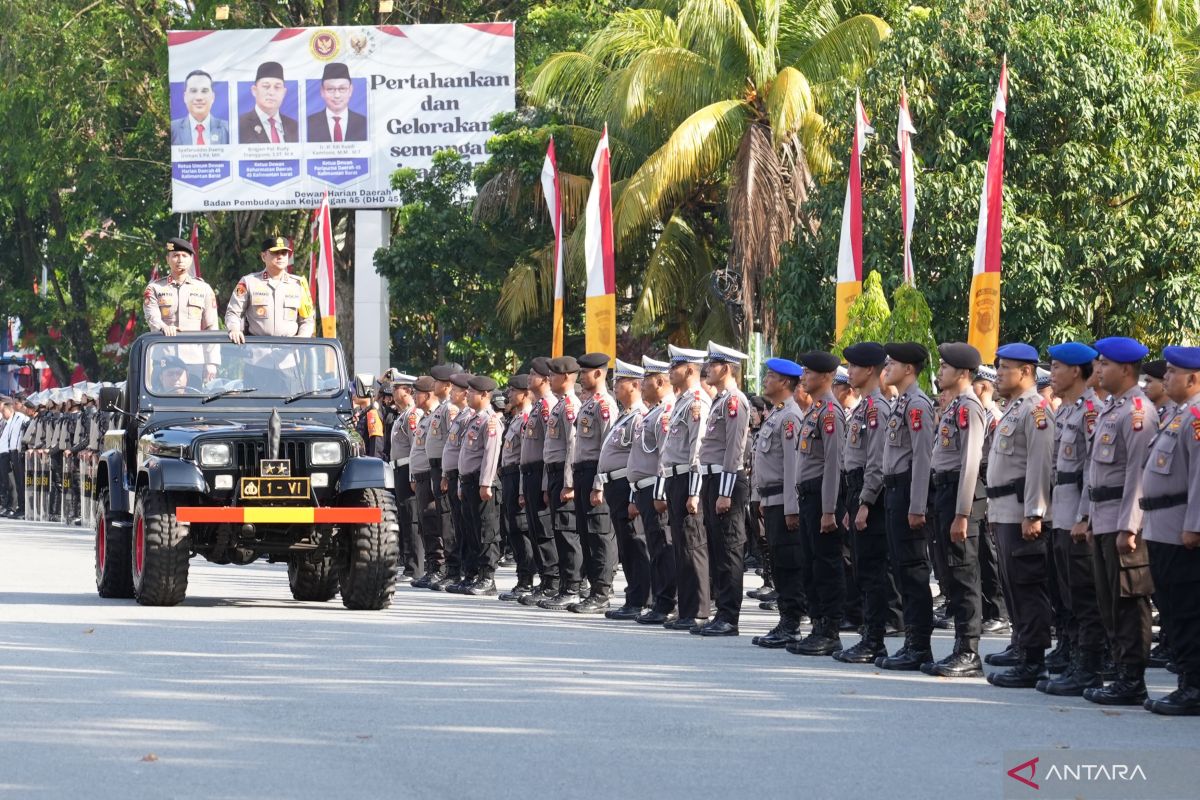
1096, 496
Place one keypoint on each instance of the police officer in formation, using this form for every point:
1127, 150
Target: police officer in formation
593, 527
406, 419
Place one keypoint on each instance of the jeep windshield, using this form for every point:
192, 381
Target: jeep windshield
255, 369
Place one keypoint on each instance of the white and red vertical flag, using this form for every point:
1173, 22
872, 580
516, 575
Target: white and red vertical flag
322, 282
551, 191
601, 305
908, 188
196, 249
850, 248
984, 332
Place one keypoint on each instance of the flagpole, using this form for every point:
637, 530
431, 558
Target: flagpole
908, 189
552, 193
984, 332
850, 247
600, 332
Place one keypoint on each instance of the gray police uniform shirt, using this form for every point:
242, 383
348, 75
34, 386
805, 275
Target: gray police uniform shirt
1124, 429
959, 445
419, 453
1173, 471
865, 436
724, 441
533, 437
592, 424
403, 428
1022, 449
454, 439
773, 481
649, 432
479, 447
265, 306
818, 450
560, 438
510, 448
909, 444
681, 449
1073, 426
439, 427
1166, 412
614, 454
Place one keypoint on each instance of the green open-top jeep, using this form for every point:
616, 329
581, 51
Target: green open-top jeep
235, 453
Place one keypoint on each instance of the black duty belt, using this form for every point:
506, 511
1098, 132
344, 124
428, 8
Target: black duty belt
556, 468
1016, 487
897, 480
1163, 501
811, 486
585, 465
512, 469
1099, 494
855, 474
770, 491
417, 477
1067, 478
948, 478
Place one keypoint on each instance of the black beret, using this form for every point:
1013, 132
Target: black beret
593, 361
442, 372
424, 384
564, 365
540, 365
865, 354
462, 379
1155, 369
176, 245
519, 382
269, 69
907, 353
819, 361
960, 355
482, 383
275, 244
336, 71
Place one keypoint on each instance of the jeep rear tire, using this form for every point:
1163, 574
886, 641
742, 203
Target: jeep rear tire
114, 568
312, 577
372, 552
161, 550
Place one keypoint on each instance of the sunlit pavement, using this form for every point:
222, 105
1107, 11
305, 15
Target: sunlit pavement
241, 692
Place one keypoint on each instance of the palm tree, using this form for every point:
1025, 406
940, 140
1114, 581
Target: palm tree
714, 113
1179, 20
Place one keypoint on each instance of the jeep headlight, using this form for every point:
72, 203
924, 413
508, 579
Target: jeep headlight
216, 454
324, 454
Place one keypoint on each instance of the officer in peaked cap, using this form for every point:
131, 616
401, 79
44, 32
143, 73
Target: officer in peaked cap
644, 457
273, 302
441, 544
1125, 428
678, 490
1171, 527
521, 539
460, 383
1071, 365
407, 418
1018, 488
532, 493
957, 455
478, 465
559, 482
906, 458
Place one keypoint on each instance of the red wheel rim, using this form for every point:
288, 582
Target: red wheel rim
139, 546
100, 542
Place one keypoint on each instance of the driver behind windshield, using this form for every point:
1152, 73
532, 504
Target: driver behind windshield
171, 376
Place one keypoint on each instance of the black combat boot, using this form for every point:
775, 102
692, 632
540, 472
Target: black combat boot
1058, 659
963, 662
1129, 689
1183, 702
1084, 675
781, 635
1024, 675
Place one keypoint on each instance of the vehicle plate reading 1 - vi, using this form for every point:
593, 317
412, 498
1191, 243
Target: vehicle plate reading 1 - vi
275, 489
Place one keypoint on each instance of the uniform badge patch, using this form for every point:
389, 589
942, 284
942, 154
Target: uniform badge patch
585, 423
872, 414
570, 413
829, 424
789, 430
492, 427
914, 416
964, 417
696, 409
1039, 417
604, 411
412, 422
241, 289
1138, 416
1195, 422
732, 407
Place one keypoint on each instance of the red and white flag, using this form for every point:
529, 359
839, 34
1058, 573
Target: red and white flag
850, 248
600, 334
908, 188
984, 332
196, 249
321, 276
550, 190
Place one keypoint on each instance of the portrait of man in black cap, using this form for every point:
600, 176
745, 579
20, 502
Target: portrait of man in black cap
266, 123
337, 122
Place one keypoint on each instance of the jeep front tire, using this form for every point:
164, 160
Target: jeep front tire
161, 550
372, 552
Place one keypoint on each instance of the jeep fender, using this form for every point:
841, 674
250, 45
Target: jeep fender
172, 475
366, 473
110, 472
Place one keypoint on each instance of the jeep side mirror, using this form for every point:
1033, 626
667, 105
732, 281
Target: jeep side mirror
364, 384
110, 398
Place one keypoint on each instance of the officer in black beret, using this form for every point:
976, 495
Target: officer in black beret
533, 475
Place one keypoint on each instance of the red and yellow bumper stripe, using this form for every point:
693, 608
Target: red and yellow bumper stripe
279, 515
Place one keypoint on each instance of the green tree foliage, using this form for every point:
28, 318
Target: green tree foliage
869, 318
1102, 172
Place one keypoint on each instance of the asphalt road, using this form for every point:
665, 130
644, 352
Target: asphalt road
243, 693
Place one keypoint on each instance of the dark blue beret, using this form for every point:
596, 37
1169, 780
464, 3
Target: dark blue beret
1182, 357
1073, 354
788, 369
1018, 351
1122, 349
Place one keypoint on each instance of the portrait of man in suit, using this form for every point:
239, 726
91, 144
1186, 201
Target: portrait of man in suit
199, 126
265, 124
336, 122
